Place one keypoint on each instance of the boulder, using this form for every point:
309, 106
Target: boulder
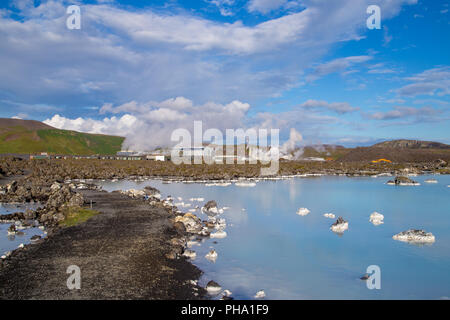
226, 295
213, 287
403, 181
12, 229
219, 234
415, 236
211, 255
35, 238
260, 294
190, 254
303, 212
11, 187
179, 227
191, 222
339, 226
365, 277
150, 191
211, 206
376, 218
77, 200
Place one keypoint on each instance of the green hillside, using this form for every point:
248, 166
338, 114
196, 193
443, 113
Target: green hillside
27, 136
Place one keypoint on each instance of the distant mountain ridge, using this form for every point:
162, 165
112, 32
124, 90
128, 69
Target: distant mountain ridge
31, 137
401, 150
411, 144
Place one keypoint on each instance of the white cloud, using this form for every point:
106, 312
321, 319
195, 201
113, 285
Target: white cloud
224, 6
116, 126
381, 71
265, 6
399, 112
339, 107
429, 82
337, 65
150, 125
122, 55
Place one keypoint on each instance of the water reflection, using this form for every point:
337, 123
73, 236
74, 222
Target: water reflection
269, 247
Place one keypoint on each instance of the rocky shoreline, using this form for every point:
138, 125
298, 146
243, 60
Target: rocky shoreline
63, 170
132, 250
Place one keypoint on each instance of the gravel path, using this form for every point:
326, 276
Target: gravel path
121, 254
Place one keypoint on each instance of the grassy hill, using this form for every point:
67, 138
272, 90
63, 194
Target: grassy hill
29, 136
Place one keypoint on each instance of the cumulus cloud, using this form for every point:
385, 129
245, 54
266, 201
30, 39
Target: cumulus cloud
429, 82
150, 125
114, 125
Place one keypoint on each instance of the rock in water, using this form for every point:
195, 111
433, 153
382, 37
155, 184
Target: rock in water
226, 295
403, 181
12, 230
211, 208
150, 191
191, 222
213, 287
212, 255
210, 204
260, 294
340, 225
303, 212
365, 277
376, 218
35, 238
190, 254
219, 234
415, 236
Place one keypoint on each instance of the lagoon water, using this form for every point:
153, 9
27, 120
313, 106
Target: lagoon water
269, 247
8, 243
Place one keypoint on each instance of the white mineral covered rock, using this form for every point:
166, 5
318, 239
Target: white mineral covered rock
339, 226
415, 236
212, 255
213, 288
376, 218
303, 212
219, 234
190, 254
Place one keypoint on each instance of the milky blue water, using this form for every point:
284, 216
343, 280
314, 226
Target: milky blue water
269, 247
8, 242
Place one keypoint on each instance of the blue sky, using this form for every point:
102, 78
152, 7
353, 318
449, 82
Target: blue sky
144, 68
